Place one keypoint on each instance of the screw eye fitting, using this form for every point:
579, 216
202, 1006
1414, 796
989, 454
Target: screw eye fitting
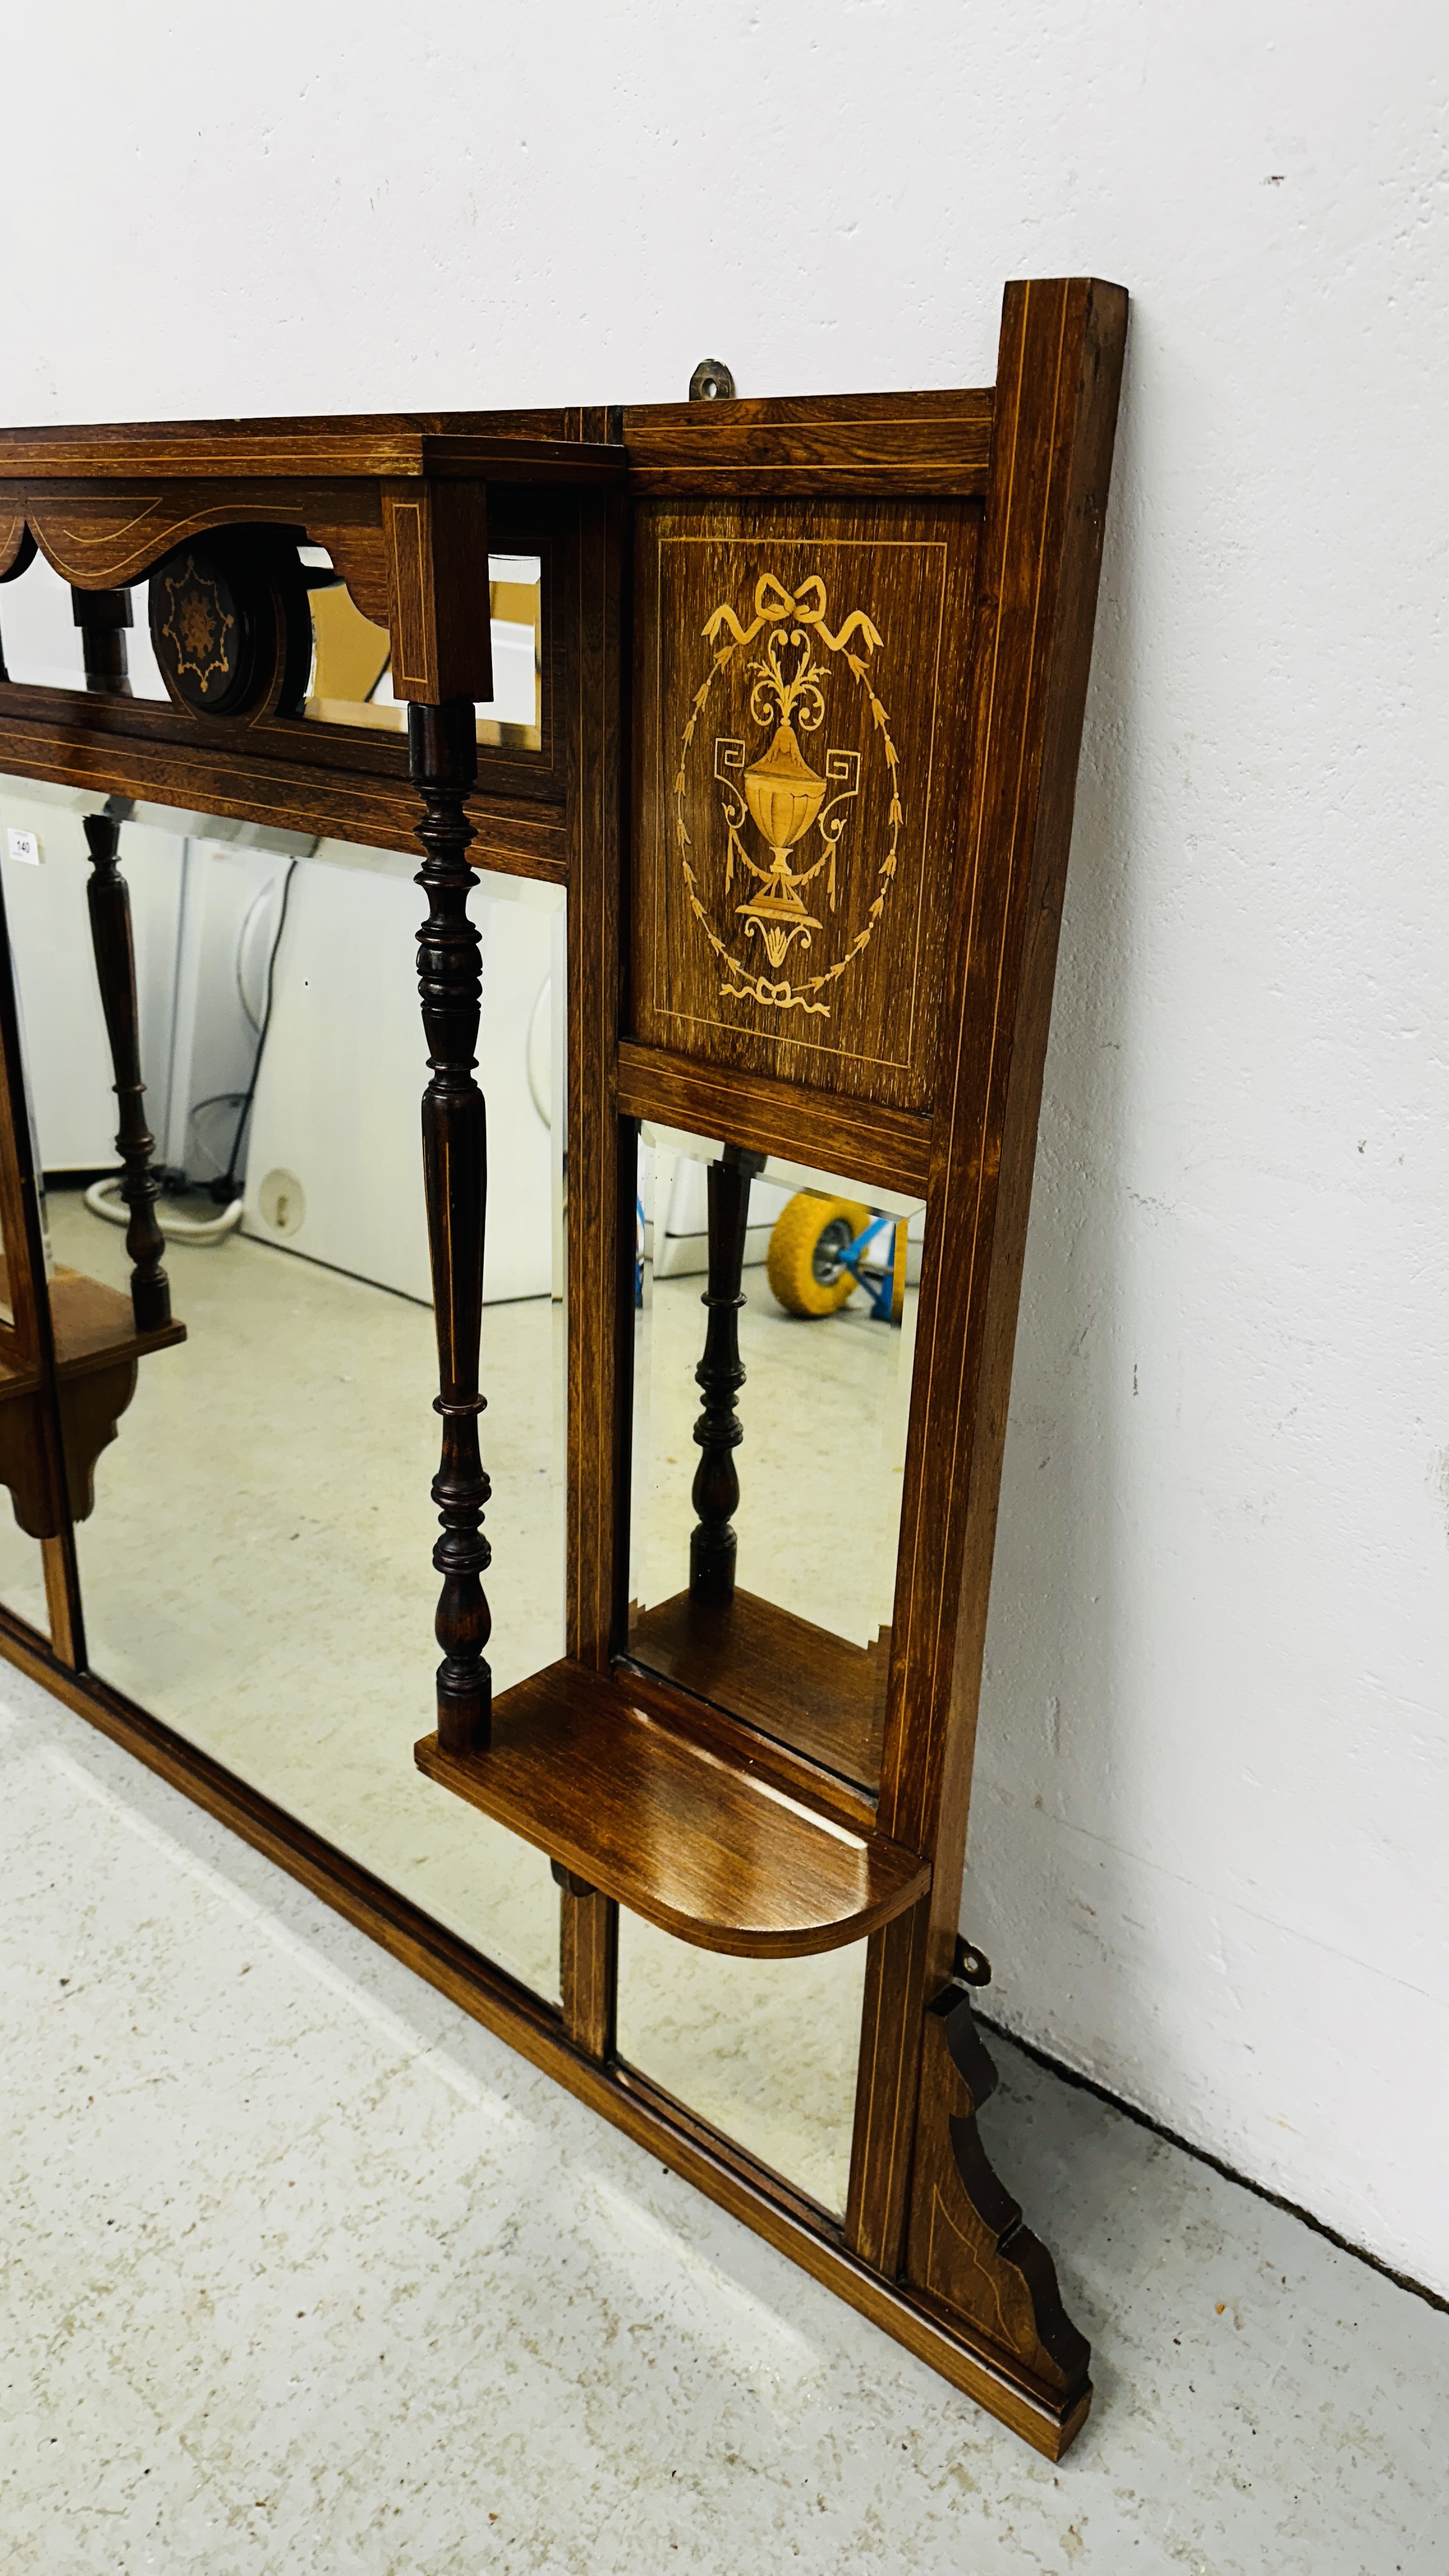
711, 382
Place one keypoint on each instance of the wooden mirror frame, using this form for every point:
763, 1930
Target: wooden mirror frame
644, 1792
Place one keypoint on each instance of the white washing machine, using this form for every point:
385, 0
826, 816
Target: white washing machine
199, 913
332, 1155
334, 1162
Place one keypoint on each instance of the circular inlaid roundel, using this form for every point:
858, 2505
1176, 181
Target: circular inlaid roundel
230, 625
203, 629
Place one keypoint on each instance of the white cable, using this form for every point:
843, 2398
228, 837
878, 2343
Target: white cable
531, 1046
254, 909
177, 1229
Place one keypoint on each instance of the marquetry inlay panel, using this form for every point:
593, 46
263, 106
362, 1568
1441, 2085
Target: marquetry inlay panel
800, 675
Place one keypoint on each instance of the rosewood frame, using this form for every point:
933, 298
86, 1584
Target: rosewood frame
932, 2247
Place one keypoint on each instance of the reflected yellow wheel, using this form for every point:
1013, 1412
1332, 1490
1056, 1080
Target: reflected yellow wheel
803, 1264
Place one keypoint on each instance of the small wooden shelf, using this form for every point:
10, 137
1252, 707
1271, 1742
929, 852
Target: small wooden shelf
802, 1685
94, 1329
706, 1845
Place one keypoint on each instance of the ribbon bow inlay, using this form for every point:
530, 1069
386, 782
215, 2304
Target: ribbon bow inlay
773, 603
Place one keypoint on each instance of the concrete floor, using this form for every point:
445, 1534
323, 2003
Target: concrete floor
305, 2274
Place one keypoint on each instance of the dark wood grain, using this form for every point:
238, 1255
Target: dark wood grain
812, 1691
306, 778
969, 2247
340, 780
638, 1808
855, 444
109, 904
436, 537
91, 1407
589, 1967
741, 1741
103, 617
588, 559
102, 534
863, 1143
17, 545
443, 755
715, 1495
601, 1167
352, 448
1061, 352
864, 608
400, 506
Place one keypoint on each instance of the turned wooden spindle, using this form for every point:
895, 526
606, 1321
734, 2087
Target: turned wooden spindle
103, 617
716, 1492
442, 751
109, 902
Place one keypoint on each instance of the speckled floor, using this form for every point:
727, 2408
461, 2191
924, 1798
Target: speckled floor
303, 2274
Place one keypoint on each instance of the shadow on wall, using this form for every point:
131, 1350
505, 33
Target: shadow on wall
1053, 1712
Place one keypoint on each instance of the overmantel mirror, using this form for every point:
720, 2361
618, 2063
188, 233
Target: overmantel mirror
739, 739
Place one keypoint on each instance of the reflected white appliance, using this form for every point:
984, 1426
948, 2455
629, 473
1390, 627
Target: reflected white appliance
228, 910
66, 1052
192, 901
334, 1164
674, 1204
332, 1157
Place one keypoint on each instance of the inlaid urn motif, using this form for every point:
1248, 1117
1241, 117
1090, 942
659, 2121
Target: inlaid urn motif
785, 821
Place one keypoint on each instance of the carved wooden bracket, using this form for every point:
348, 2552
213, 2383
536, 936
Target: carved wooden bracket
90, 1411
967, 2247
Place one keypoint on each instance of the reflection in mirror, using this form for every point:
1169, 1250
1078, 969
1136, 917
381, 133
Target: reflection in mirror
769, 1440
22, 1565
351, 669
40, 641
27, 1569
257, 1566
350, 681
765, 2050
22, 1572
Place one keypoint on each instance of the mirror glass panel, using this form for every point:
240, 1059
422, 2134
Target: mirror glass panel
40, 642
351, 679
24, 1588
796, 1642
765, 2050
22, 1572
256, 1565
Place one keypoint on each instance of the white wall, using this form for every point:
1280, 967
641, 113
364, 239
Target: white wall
1209, 1849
